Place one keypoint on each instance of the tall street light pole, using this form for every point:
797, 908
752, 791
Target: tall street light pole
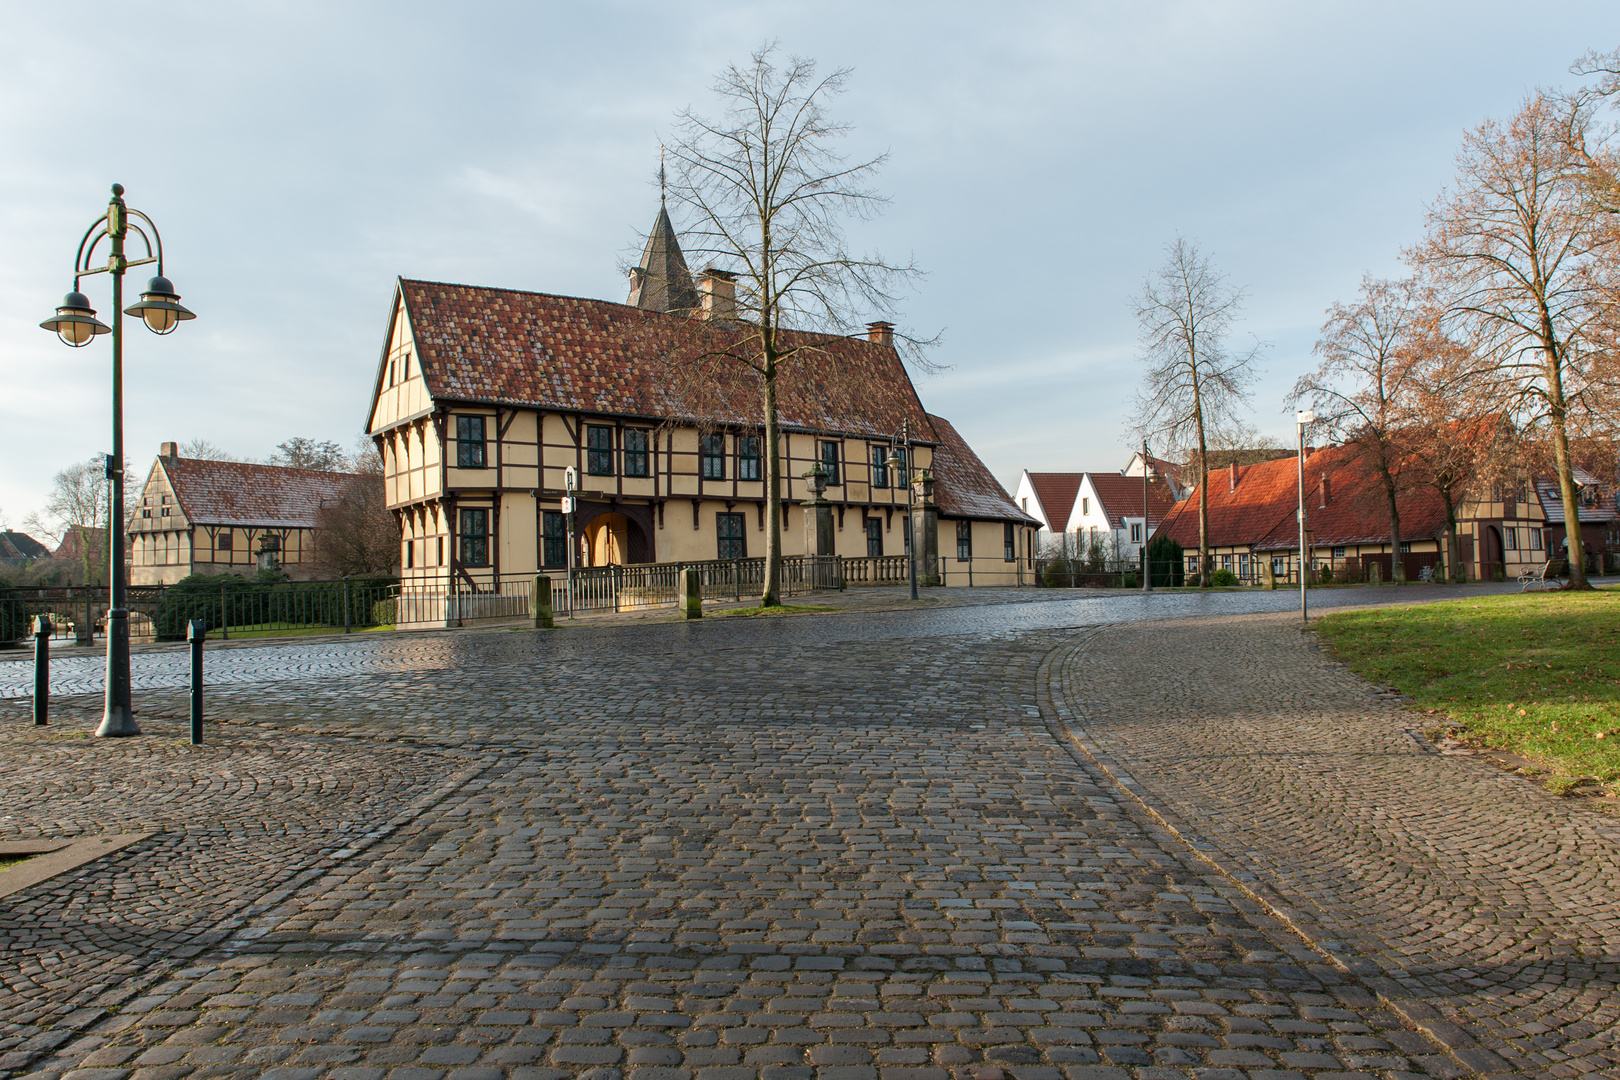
76, 324
1303, 418
1147, 564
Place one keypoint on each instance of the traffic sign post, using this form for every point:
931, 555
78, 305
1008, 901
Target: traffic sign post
571, 485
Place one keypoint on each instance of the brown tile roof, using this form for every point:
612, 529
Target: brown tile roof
964, 487
19, 545
256, 496
1056, 492
1552, 500
503, 346
1121, 497
1260, 511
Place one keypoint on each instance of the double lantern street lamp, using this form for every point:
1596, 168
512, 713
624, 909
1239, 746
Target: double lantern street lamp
76, 324
900, 465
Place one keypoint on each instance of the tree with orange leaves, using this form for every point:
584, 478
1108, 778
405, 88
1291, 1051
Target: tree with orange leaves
1361, 390
1525, 262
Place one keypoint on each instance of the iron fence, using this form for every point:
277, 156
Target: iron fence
161, 612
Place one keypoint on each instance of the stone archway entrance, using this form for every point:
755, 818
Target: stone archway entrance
614, 539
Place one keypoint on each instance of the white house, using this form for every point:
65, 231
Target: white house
1076, 508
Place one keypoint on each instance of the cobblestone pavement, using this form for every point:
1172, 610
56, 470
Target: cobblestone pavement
842, 847
953, 611
1438, 878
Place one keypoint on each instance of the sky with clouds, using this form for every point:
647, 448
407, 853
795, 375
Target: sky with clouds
300, 156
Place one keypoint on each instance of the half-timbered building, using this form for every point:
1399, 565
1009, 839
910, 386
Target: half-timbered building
198, 516
484, 397
1254, 527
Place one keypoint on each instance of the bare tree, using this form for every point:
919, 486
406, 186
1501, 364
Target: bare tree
769, 193
1193, 385
1360, 392
301, 453
203, 450
1525, 259
76, 513
357, 533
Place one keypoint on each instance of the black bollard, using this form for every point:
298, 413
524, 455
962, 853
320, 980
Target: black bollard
196, 632
42, 669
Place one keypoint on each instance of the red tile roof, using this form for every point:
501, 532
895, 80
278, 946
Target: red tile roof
965, 488
504, 346
1121, 497
1551, 498
1056, 492
256, 496
1260, 511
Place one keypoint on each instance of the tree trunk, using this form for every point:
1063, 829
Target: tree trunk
1572, 511
771, 593
1397, 569
1204, 558
1453, 541
1557, 413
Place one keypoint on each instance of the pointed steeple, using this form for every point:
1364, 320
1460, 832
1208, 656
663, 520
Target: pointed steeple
661, 281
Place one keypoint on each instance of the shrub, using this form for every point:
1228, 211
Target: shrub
1169, 561
385, 613
1223, 577
1131, 582
1327, 574
1058, 574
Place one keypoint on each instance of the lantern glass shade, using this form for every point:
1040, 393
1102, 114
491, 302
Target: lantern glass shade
75, 321
160, 307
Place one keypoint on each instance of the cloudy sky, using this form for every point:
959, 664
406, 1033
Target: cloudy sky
299, 156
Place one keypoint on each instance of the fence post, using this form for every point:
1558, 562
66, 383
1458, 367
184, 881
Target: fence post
42, 669
690, 595
224, 614
346, 605
196, 633
736, 578
540, 602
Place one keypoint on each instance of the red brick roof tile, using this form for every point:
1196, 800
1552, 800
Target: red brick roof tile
1121, 497
1260, 511
1056, 492
504, 346
257, 496
964, 487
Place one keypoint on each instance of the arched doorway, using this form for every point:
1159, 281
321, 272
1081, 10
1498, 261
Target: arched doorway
607, 540
614, 534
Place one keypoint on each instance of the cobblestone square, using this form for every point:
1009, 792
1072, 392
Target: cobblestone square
1039, 840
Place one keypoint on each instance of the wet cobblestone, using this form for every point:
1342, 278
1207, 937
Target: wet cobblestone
861, 846
1476, 895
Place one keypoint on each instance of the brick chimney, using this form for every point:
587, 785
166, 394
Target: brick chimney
1327, 491
1234, 475
880, 333
717, 293
168, 451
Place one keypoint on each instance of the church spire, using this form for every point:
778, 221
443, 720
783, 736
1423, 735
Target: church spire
661, 281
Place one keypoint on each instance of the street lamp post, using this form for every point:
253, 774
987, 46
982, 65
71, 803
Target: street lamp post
1303, 418
1147, 564
896, 464
76, 324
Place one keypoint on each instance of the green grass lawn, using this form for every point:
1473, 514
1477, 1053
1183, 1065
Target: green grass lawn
1536, 674
293, 631
775, 609
8, 861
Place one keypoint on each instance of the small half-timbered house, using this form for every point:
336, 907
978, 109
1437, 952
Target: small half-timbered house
198, 516
485, 396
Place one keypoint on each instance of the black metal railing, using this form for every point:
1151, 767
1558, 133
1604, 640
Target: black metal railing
229, 608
